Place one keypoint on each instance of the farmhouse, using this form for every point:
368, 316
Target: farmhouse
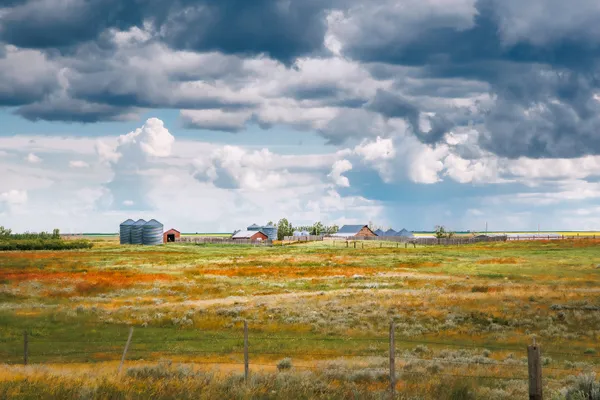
171, 236
347, 231
379, 232
249, 235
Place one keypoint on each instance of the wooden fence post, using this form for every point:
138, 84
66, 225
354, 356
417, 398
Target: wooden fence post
246, 351
125, 350
25, 348
354, 244
392, 362
534, 363
346, 244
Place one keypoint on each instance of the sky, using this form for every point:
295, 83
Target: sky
213, 115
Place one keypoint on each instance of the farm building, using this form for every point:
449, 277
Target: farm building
141, 232
379, 232
301, 233
171, 236
405, 233
249, 235
270, 230
390, 232
347, 231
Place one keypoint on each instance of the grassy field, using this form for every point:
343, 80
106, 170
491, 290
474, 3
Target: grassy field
463, 317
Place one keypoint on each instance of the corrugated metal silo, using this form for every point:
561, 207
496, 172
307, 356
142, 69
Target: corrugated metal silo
152, 233
254, 228
125, 231
270, 231
137, 231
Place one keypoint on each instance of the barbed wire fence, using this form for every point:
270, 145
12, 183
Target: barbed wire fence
253, 350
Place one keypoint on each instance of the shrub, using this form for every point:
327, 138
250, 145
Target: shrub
589, 351
43, 244
585, 387
164, 370
284, 364
480, 289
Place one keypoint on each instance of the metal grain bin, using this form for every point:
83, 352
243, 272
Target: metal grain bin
254, 228
270, 231
153, 233
125, 231
136, 232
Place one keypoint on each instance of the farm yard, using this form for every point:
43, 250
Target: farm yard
318, 320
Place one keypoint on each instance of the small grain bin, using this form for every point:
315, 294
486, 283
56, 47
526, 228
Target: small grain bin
137, 231
152, 233
253, 228
125, 231
270, 230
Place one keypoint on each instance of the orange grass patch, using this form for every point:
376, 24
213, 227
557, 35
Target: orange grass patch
85, 282
418, 265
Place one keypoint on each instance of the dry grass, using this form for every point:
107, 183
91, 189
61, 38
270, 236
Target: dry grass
315, 304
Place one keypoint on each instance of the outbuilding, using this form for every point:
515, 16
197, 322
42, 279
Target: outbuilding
249, 235
171, 236
347, 231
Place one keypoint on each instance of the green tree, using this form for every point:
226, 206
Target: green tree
317, 229
4, 231
442, 233
330, 230
284, 228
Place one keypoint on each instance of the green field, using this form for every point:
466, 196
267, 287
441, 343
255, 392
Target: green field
463, 318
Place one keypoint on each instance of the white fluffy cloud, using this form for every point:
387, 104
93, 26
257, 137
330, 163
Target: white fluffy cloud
14, 197
338, 168
33, 159
78, 164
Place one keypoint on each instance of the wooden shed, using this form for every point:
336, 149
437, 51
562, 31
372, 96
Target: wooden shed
171, 236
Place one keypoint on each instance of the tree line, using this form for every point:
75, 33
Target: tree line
10, 241
285, 228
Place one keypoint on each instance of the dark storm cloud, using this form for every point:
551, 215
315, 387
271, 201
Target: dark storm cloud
71, 110
544, 78
283, 29
59, 23
394, 106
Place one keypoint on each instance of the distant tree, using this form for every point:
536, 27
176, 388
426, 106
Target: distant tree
317, 229
330, 230
442, 233
284, 228
4, 231
56, 234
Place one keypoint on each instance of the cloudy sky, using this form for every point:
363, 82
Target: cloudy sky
210, 115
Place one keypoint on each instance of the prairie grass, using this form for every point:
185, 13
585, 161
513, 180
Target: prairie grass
459, 311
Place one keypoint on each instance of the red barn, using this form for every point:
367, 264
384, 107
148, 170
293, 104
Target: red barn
171, 236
